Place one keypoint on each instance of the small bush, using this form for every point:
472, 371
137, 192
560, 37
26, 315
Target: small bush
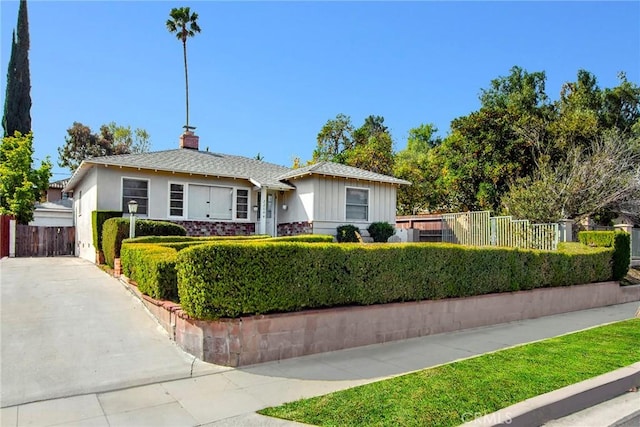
230, 279
620, 241
381, 231
97, 220
152, 267
347, 234
115, 230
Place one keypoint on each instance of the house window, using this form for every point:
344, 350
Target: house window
138, 190
176, 200
242, 204
357, 208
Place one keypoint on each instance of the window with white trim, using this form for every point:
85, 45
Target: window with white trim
357, 204
138, 190
176, 200
242, 204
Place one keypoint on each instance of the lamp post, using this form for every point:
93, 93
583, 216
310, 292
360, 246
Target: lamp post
133, 208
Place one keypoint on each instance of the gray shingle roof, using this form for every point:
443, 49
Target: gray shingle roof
229, 166
340, 170
196, 162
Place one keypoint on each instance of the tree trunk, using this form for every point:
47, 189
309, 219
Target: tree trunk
186, 79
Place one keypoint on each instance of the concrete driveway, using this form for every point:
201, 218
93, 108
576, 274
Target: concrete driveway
68, 328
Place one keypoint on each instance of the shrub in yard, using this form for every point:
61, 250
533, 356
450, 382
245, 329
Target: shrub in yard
381, 231
620, 241
115, 230
150, 260
97, 220
347, 233
230, 279
152, 267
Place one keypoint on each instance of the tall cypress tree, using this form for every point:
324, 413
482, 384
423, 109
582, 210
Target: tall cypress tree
17, 103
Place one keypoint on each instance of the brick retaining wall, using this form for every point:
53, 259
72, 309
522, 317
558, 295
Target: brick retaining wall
216, 228
255, 339
295, 228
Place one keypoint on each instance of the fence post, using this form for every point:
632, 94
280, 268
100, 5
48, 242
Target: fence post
565, 228
627, 228
12, 238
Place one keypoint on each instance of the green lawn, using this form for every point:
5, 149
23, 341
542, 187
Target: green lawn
444, 395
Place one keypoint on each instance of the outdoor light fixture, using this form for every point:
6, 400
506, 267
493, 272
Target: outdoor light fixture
133, 208
255, 208
284, 207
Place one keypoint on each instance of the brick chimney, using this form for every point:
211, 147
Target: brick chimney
189, 140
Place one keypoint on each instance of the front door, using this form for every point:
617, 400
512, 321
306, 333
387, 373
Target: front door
271, 221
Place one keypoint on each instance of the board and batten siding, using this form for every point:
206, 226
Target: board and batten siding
327, 205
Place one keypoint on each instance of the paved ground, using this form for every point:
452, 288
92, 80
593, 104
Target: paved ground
68, 328
56, 342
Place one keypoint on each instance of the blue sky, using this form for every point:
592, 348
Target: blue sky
265, 76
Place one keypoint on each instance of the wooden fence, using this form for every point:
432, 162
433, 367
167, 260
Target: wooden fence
5, 235
44, 241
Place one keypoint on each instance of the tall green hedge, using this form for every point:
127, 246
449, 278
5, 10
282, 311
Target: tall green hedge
115, 230
620, 241
227, 279
152, 267
97, 220
150, 261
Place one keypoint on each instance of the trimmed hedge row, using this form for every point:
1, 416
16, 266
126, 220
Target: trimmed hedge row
152, 267
620, 241
228, 279
150, 261
97, 221
115, 230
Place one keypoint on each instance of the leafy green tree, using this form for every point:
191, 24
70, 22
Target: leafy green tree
129, 141
21, 185
369, 147
81, 143
486, 150
335, 137
17, 102
185, 25
415, 164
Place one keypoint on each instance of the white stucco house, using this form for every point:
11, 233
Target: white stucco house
220, 194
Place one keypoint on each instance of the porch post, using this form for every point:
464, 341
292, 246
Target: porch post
263, 210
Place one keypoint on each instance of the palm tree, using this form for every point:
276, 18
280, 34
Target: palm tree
184, 24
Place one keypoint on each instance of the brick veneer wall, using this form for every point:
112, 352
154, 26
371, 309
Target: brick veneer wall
295, 228
212, 228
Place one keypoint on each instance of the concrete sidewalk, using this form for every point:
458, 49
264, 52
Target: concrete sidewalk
230, 397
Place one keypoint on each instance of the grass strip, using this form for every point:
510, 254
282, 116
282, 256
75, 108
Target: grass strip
447, 394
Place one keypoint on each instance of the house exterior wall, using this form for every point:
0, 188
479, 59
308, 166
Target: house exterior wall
323, 199
52, 218
110, 198
86, 201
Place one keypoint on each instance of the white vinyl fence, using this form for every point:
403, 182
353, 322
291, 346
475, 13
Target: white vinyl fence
480, 229
635, 243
